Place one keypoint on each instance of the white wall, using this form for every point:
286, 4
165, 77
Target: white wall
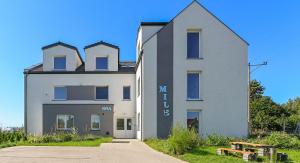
223, 74
41, 91
72, 58
138, 103
150, 88
101, 51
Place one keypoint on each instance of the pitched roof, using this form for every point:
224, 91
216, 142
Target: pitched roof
153, 23
65, 45
101, 43
195, 1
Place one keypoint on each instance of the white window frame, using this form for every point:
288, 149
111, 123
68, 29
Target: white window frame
56, 99
200, 56
200, 94
65, 121
96, 63
54, 69
92, 122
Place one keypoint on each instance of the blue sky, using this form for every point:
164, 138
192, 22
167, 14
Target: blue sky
270, 26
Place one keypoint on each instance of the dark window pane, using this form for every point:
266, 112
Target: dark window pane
193, 121
60, 93
193, 86
59, 63
101, 63
129, 124
120, 124
102, 93
69, 121
126, 93
193, 45
95, 119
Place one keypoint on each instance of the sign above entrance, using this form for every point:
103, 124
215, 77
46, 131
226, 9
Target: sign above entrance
106, 108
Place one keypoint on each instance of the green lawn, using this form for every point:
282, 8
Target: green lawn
207, 154
7, 145
85, 143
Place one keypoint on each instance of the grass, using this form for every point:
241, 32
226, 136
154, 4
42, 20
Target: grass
207, 154
7, 145
84, 143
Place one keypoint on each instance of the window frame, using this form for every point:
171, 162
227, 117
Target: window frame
59, 69
199, 85
127, 99
106, 64
199, 44
65, 121
123, 124
96, 93
92, 128
66, 96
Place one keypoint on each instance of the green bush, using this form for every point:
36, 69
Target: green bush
218, 140
182, 140
281, 140
15, 136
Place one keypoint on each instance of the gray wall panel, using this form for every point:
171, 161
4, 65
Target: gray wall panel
82, 117
81, 92
165, 81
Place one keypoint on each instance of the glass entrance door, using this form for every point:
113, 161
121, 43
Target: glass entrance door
124, 128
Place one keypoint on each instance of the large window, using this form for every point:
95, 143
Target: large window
120, 124
59, 63
193, 120
60, 93
65, 122
101, 93
193, 45
101, 63
95, 122
126, 92
193, 86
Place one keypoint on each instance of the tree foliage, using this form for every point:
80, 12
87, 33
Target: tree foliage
266, 115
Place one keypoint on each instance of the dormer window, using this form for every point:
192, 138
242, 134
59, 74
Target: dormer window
101, 63
60, 63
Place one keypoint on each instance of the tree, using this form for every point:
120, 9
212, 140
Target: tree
256, 90
293, 107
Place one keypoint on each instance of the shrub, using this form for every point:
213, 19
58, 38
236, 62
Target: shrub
182, 140
281, 140
218, 140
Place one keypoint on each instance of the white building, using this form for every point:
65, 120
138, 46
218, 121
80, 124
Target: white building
190, 71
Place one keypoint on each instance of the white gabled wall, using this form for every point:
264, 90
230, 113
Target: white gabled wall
101, 51
138, 103
223, 79
72, 58
40, 90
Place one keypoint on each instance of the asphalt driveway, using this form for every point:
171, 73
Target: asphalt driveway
131, 152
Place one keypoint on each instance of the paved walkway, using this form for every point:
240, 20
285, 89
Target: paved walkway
132, 152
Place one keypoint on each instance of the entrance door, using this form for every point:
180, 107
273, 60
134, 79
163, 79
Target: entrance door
124, 128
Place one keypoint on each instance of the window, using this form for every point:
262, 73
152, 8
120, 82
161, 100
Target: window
102, 93
193, 120
95, 122
59, 63
193, 45
126, 93
193, 88
139, 122
60, 93
129, 124
139, 87
101, 63
65, 122
120, 124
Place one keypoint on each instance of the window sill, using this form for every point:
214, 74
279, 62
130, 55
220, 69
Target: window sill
59, 100
194, 58
96, 129
126, 99
64, 129
194, 100
101, 100
101, 70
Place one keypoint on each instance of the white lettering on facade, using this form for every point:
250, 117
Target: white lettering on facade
166, 107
